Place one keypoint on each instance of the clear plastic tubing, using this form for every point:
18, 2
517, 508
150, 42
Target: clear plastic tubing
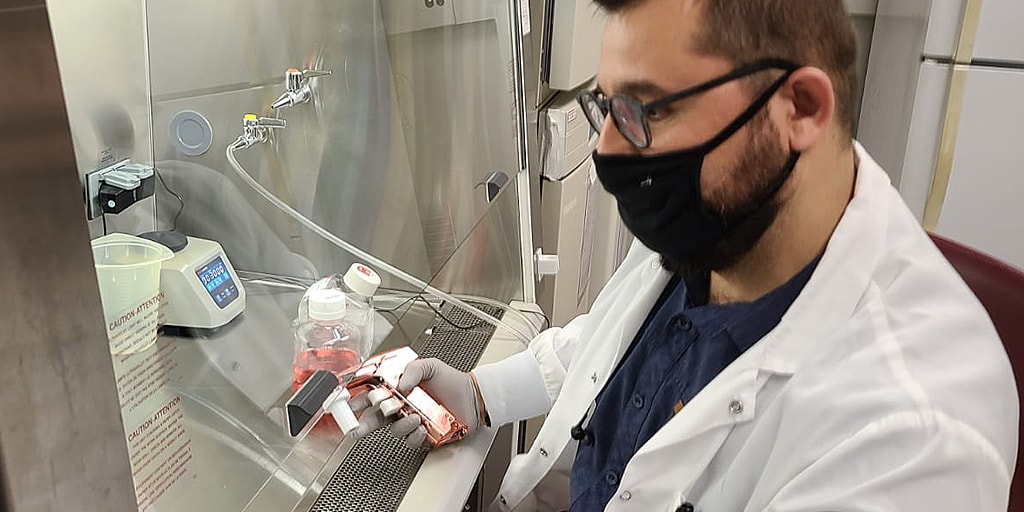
357, 252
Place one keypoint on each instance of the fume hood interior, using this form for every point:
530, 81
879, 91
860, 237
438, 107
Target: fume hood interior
409, 150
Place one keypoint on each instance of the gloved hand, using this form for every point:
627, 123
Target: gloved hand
451, 388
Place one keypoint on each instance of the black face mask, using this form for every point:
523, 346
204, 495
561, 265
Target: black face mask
660, 198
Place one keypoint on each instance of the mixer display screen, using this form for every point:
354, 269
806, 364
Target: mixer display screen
216, 278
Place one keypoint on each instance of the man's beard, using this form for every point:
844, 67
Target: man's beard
763, 164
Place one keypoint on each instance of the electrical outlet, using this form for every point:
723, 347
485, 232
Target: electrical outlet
93, 181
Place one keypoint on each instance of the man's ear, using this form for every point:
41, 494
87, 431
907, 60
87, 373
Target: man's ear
811, 106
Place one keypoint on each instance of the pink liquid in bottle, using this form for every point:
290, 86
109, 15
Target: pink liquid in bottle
310, 361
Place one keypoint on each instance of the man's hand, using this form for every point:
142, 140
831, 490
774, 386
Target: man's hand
453, 389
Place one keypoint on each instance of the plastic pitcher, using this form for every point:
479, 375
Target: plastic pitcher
128, 271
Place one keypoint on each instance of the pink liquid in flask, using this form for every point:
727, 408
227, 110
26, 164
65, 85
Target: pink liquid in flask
335, 360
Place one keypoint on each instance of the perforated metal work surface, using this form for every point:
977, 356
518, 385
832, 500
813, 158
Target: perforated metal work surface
460, 349
374, 476
378, 471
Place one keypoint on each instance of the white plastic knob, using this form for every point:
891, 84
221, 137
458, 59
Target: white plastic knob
378, 395
545, 264
390, 407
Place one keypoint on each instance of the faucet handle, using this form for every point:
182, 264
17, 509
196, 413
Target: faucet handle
271, 122
252, 121
294, 79
256, 130
316, 73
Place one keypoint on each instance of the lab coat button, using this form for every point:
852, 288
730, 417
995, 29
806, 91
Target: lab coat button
625, 496
593, 378
502, 500
736, 407
685, 507
543, 452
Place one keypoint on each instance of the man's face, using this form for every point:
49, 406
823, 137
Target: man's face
647, 53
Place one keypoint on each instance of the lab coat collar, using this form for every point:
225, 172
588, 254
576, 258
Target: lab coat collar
837, 285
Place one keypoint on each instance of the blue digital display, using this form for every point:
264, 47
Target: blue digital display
214, 276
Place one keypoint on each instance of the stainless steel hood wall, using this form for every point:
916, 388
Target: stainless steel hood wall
62, 446
341, 160
101, 49
389, 155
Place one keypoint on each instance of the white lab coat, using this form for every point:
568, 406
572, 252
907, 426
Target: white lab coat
883, 388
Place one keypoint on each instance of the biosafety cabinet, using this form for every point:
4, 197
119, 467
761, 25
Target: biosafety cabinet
195, 167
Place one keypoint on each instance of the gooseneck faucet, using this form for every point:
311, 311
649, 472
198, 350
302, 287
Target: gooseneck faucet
298, 87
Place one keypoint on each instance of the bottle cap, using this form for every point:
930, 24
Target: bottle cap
362, 280
327, 305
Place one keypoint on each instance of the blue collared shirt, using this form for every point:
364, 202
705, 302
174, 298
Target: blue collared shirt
682, 346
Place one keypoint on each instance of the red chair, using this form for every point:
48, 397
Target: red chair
1000, 288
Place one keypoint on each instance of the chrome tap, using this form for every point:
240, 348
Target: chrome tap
256, 130
298, 87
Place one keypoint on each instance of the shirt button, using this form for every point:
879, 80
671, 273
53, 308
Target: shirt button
611, 478
736, 407
638, 401
683, 323
588, 438
625, 496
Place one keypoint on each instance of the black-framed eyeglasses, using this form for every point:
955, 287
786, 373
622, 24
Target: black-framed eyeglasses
630, 115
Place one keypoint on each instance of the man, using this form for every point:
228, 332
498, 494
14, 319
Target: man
784, 337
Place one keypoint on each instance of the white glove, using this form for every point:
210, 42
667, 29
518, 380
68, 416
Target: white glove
453, 389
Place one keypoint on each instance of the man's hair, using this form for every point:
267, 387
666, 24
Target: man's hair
815, 33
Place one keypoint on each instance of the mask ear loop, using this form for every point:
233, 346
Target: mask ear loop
794, 157
745, 117
783, 177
